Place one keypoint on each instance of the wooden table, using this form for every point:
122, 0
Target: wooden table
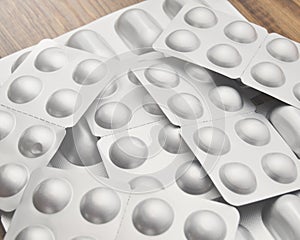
26, 22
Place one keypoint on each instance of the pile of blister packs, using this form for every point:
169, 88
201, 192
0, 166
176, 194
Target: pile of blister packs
166, 120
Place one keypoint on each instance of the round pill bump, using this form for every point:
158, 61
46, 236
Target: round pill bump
24, 89
192, 179
100, 205
201, 17
35, 141
283, 49
206, 225
241, 32
153, 217
186, 106
279, 167
19, 61
132, 78
151, 106
238, 178
243, 234
89, 71
7, 124
170, 139
226, 98
128, 152
51, 59
183, 41
162, 75
92, 42
212, 140
296, 91
113, 115
52, 195
63, 103
268, 74
281, 217
145, 183
197, 73
35, 233
13, 178
253, 131
224, 55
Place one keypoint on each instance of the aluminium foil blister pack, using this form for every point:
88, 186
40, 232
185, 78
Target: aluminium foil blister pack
123, 104
26, 144
92, 205
245, 157
155, 156
56, 83
212, 39
188, 93
272, 219
166, 214
275, 69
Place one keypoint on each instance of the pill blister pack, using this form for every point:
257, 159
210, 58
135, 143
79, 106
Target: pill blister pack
62, 83
188, 93
161, 215
25, 145
212, 39
54, 197
245, 157
123, 104
155, 156
274, 69
272, 219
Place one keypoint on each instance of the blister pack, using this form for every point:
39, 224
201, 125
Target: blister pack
212, 39
274, 69
272, 219
55, 197
6, 218
26, 143
62, 83
188, 93
162, 215
155, 156
245, 157
123, 104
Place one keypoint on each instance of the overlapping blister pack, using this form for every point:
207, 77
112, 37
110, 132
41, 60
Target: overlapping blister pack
152, 123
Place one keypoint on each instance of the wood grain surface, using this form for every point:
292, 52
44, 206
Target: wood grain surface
26, 22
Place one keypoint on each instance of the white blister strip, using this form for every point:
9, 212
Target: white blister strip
57, 83
212, 39
162, 215
155, 156
272, 219
245, 157
54, 197
275, 69
123, 104
188, 93
26, 143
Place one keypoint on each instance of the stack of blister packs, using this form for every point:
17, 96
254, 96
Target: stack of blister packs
166, 120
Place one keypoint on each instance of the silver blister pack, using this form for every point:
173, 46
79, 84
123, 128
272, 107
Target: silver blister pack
55, 197
188, 93
26, 143
272, 219
245, 157
274, 69
57, 83
155, 156
123, 104
212, 39
167, 215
